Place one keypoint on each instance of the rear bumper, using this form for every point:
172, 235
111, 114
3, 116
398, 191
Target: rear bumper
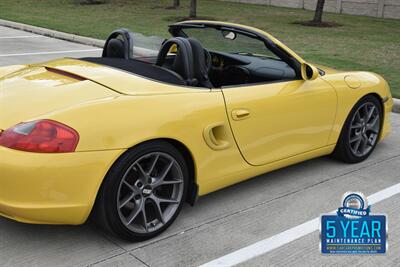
51, 188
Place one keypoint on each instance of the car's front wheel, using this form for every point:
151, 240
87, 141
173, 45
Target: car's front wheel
143, 192
361, 131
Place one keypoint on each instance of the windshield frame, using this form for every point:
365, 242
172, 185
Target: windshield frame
176, 30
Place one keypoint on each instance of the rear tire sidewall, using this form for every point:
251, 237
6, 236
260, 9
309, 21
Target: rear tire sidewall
110, 187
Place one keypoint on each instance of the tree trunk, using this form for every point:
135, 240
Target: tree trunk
318, 11
176, 3
193, 8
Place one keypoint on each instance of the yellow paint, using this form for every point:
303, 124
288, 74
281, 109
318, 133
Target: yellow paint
286, 119
273, 125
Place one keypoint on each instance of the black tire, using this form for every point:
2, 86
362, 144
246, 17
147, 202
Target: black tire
344, 151
107, 211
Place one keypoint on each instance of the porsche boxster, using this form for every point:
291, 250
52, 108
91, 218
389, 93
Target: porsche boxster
131, 136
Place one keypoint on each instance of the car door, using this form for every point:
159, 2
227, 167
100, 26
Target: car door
278, 120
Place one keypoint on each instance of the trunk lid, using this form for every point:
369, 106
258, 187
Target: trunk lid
37, 90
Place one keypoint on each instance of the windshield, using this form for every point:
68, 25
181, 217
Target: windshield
229, 41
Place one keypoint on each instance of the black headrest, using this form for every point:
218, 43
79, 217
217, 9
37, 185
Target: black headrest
117, 38
183, 62
115, 48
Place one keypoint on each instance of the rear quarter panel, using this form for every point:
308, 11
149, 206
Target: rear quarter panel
125, 121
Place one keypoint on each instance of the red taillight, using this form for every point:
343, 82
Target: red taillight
42, 136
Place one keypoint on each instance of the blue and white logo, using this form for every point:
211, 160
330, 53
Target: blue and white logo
353, 230
354, 206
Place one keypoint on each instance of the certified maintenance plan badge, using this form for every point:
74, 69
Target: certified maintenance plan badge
353, 230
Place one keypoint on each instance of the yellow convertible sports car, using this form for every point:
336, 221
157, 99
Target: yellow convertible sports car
131, 136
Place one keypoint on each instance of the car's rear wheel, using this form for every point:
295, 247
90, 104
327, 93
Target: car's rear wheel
361, 131
143, 192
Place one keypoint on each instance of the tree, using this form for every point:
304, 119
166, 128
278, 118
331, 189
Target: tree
176, 3
193, 9
318, 11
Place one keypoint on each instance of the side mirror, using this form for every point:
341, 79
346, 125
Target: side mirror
309, 72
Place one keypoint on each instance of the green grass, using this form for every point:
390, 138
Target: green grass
362, 43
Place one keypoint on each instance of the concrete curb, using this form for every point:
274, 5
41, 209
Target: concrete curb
54, 34
90, 41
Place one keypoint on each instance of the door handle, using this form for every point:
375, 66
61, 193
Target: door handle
216, 137
240, 114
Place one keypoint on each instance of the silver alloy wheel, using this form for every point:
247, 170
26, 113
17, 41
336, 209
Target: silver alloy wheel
150, 192
364, 129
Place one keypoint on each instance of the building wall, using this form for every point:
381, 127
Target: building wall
373, 8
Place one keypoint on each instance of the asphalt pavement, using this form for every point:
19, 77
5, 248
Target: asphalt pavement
220, 223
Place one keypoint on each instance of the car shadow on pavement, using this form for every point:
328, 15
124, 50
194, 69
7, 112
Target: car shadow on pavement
94, 243
260, 190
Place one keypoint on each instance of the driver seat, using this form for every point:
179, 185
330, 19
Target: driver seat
192, 62
201, 63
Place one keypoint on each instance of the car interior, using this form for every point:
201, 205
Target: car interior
184, 61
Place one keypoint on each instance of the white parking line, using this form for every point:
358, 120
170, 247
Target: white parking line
261, 247
22, 36
52, 52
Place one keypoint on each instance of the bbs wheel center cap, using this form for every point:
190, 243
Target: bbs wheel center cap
147, 190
